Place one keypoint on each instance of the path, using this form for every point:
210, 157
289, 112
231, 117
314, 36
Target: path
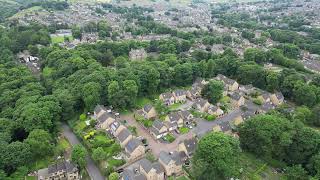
92, 169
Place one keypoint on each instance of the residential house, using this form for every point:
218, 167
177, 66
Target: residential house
237, 99
129, 174
264, 97
152, 171
134, 149
186, 116
188, 146
61, 170
171, 162
158, 129
247, 89
174, 117
116, 128
167, 98
225, 127
201, 105
194, 93
149, 111
180, 96
124, 137
230, 83
98, 111
171, 126
215, 110
277, 98
105, 120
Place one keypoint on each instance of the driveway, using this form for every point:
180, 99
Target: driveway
155, 146
92, 169
204, 126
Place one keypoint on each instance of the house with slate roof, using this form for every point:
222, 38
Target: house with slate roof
149, 111
215, 110
180, 96
237, 99
134, 149
98, 111
105, 120
129, 174
61, 170
171, 162
201, 105
152, 171
167, 98
174, 117
124, 137
158, 129
186, 116
116, 128
230, 83
188, 146
277, 98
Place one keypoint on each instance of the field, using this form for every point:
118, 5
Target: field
26, 11
59, 39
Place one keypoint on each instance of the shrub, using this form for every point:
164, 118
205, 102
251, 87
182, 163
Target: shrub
83, 117
211, 117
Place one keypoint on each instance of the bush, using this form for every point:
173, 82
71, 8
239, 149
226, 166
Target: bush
184, 130
211, 117
83, 117
170, 138
257, 101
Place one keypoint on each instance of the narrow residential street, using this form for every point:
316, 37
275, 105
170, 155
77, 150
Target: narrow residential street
202, 128
91, 168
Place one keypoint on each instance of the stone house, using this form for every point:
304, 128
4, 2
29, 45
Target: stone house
158, 129
188, 146
186, 116
237, 100
174, 117
124, 137
167, 98
152, 171
215, 110
201, 105
180, 96
277, 98
116, 128
230, 83
171, 162
264, 97
105, 120
61, 170
134, 149
149, 111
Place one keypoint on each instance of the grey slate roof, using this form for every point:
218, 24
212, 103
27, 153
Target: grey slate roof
130, 175
185, 114
190, 145
235, 96
225, 79
157, 124
167, 95
147, 108
62, 166
99, 108
180, 92
132, 145
225, 126
200, 102
168, 157
174, 117
123, 135
105, 116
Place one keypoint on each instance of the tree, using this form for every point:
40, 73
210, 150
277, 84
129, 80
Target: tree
316, 115
98, 154
303, 114
40, 142
216, 157
314, 165
304, 95
78, 155
256, 55
130, 92
91, 93
76, 33
114, 176
114, 94
213, 91
266, 135
296, 172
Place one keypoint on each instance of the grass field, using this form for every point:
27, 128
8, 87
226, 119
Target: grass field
26, 11
59, 39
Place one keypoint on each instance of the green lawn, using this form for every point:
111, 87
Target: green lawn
59, 39
254, 168
170, 138
184, 130
142, 101
174, 106
31, 178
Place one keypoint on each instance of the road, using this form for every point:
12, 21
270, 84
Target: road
92, 169
202, 128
